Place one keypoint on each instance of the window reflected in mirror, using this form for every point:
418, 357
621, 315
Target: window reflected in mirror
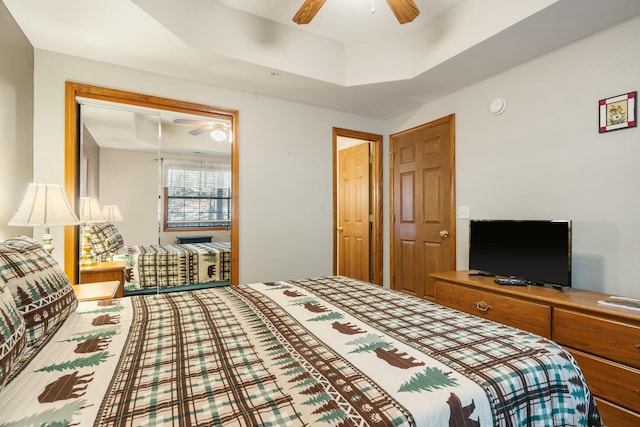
196, 194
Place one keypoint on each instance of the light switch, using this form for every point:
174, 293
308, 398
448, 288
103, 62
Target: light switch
463, 212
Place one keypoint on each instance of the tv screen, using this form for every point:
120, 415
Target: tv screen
533, 250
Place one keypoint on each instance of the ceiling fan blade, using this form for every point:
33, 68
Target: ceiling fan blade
190, 122
405, 10
201, 129
307, 11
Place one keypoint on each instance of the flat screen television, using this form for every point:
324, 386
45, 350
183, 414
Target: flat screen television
537, 251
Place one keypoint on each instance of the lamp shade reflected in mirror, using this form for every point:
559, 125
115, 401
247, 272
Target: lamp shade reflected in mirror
111, 213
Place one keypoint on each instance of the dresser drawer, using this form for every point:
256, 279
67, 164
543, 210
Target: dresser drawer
615, 416
526, 315
620, 384
609, 339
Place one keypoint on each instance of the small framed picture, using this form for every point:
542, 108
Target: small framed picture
618, 112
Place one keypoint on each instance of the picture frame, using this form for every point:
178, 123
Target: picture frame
618, 112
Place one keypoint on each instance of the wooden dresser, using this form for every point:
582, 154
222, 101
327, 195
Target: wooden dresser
604, 340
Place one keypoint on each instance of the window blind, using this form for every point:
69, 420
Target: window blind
197, 194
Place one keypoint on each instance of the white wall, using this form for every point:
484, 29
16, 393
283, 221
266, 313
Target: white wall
16, 121
285, 182
129, 179
544, 158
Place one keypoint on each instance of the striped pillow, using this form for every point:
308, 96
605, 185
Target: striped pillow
12, 334
40, 289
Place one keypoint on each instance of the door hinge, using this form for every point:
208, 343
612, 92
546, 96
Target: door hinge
370, 160
391, 156
371, 217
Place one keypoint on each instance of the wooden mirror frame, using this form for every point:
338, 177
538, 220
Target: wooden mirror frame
74, 90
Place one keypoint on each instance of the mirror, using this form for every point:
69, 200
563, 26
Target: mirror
121, 149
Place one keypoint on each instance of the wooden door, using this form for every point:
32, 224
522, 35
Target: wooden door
353, 212
423, 201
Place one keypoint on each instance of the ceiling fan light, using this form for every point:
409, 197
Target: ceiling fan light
219, 135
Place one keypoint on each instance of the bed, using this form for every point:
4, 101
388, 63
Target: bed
163, 267
323, 351
169, 266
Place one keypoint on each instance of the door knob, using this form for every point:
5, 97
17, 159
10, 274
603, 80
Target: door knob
444, 233
340, 229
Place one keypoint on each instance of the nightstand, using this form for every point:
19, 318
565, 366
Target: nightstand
97, 290
105, 272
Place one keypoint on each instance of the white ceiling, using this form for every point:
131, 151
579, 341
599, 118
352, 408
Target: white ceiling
345, 21
346, 58
128, 127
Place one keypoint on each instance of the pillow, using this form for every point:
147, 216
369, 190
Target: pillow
12, 334
105, 239
40, 289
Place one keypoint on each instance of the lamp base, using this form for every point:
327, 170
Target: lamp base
46, 241
87, 260
87, 257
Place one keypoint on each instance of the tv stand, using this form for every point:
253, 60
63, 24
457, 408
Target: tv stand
604, 340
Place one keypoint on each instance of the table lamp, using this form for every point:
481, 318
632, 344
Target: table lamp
44, 205
89, 213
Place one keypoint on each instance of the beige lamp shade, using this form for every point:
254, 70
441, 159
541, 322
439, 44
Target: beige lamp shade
111, 213
90, 210
44, 205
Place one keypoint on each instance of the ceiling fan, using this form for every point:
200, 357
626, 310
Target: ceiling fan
219, 131
404, 10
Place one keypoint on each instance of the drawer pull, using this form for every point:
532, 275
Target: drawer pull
483, 306
637, 346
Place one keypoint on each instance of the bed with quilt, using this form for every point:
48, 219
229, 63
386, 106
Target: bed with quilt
161, 267
168, 266
328, 351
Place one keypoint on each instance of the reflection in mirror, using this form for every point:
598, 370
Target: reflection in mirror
163, 182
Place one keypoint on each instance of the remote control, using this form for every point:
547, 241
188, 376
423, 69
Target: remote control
514, 282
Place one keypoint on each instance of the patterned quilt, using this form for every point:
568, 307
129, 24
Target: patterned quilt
175, 265
318, 352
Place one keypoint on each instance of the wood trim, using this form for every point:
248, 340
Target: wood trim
71, 182
452, 182
235, 202
378, 212
376, 266
73, 90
